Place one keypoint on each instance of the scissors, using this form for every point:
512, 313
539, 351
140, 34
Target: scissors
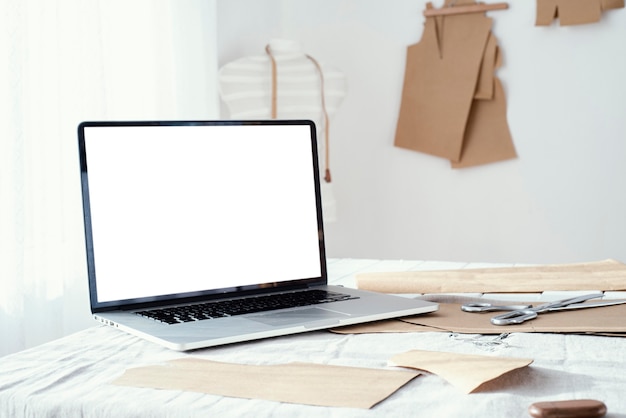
522, 313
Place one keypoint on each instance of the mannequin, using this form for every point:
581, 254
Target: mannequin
245, 86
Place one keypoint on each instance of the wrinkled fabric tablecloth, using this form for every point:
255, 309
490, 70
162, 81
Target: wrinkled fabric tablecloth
72, 376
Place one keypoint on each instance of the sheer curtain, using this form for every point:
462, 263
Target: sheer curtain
64, 61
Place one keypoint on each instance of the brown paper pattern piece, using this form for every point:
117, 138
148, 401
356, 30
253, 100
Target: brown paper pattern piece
465, 371
301, 383
487, 135
573, 12
485, 84
438, 91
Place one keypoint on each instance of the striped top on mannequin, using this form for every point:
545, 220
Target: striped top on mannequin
246, 89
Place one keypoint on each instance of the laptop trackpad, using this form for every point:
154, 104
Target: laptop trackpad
299, 317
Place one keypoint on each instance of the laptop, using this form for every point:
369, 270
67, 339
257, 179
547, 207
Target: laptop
204, 233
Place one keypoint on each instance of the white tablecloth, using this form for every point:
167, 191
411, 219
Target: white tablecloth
72, 376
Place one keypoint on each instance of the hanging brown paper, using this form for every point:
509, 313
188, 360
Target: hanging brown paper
573, 12
452, 105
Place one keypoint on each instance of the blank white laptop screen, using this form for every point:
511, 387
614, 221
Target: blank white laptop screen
186, 208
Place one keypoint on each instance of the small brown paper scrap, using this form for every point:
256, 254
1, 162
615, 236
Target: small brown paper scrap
465, 371
302, 383
573, 12
601, 275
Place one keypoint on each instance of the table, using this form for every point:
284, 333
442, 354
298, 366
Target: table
72, 376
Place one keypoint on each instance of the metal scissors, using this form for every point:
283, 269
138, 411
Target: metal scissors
521, 315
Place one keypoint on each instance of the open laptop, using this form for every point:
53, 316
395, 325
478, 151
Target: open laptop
202, 233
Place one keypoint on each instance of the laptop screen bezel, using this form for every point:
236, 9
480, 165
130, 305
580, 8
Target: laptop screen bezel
100, 306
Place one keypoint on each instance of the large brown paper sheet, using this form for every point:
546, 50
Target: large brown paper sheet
573, 12
439, 84
464, 371
606, 320
602, 275
301, 383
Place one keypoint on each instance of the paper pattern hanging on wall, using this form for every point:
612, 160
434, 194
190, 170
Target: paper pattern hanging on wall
573, 12
453, 106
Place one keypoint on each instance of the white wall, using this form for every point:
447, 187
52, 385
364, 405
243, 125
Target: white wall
562, 200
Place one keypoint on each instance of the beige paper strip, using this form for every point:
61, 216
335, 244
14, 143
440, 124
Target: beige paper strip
303, 383
602, 275
465, 371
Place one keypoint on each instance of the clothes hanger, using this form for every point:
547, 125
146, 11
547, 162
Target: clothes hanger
463, 9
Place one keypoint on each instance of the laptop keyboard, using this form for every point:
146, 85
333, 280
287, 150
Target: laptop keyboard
224, 308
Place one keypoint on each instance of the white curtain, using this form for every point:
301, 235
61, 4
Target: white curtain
61, 62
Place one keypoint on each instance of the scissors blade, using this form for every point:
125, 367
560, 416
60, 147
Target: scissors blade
550, 306
609, 302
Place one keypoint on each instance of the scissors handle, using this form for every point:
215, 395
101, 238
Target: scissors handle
488, 307
515, 317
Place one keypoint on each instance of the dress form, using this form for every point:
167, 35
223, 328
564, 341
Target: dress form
245, 87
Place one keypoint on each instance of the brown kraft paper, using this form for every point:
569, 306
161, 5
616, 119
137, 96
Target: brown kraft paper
604, 275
